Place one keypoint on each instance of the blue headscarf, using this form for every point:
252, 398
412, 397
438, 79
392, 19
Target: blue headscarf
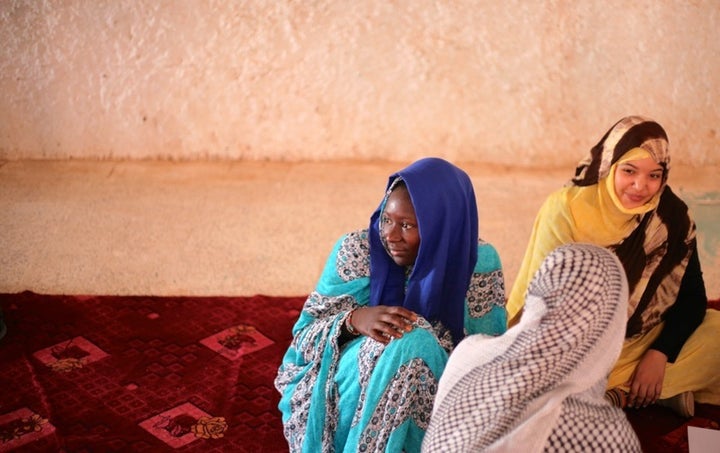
446, 211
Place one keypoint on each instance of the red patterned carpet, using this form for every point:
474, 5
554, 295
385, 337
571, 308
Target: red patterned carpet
119, 374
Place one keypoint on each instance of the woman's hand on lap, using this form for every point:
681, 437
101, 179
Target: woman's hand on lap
646, 382
383, 323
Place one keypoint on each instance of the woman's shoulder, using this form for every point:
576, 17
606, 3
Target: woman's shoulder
357, 239
352, 255
563, 194
488, 259
558, 202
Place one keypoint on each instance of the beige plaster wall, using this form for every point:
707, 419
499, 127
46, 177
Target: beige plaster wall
511, 82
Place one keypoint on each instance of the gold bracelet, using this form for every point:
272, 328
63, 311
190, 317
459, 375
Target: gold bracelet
348, 323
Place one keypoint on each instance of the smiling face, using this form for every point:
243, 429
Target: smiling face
399, 228
637, 181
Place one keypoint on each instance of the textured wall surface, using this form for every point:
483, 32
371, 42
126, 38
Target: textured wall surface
511, 82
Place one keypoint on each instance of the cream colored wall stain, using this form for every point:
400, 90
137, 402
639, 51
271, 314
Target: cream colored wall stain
511, 82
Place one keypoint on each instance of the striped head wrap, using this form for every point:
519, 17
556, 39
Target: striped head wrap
656, 252
628, 133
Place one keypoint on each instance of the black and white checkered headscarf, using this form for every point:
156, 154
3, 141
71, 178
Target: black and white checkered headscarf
540, 386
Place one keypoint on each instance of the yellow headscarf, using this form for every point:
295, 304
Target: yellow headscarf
597, 214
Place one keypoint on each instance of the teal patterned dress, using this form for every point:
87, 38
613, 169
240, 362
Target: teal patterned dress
366, 396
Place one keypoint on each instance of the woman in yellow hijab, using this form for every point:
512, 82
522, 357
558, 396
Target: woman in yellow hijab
619, 199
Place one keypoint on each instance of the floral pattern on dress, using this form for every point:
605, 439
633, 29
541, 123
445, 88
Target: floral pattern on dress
409, 395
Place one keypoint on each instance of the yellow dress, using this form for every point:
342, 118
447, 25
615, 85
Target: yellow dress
696, 369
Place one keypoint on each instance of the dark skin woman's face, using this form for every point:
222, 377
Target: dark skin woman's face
399, 228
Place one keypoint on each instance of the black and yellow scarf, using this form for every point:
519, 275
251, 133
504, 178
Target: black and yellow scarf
654, 241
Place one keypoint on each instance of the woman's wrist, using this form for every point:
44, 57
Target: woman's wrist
349, 325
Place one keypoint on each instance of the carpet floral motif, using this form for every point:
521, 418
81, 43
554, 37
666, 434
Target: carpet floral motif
70, 355
21, 427
184, 424
237, 341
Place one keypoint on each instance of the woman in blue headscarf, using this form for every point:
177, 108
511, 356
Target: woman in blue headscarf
393, 300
